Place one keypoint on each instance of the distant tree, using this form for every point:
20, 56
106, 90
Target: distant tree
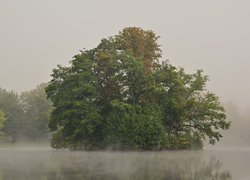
240, 123
119, 95
3, 137
1, 120
1, 125
27, 115
10, 105
37, 109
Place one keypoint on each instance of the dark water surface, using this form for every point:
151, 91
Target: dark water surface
44, 163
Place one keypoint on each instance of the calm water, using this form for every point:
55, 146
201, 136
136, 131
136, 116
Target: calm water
45, 163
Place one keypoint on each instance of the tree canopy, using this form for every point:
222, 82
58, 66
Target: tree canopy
26, 116
37, 109
122, 95
11, 107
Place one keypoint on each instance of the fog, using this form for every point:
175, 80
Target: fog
214, 36
27, 162
44, 163
209, 35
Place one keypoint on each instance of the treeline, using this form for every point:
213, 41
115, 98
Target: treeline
25, 116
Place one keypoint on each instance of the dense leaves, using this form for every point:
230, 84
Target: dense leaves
134, 127
121, 95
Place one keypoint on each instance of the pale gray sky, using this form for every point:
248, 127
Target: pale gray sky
213, 35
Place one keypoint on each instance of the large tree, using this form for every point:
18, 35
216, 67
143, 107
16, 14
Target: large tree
121, 95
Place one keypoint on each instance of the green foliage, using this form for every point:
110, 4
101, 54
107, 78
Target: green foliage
1, 120
37, 109
190, 111
3, 137
27, 115
134, 127
10, 105
119, 96
73, 92
140, 43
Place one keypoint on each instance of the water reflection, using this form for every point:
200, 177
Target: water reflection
47, 164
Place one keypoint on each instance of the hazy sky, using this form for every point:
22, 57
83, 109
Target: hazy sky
213, 35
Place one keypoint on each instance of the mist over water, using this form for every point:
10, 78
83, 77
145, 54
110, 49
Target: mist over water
46, 163
36, 36
228, 159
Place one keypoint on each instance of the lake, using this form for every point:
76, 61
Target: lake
45, 163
